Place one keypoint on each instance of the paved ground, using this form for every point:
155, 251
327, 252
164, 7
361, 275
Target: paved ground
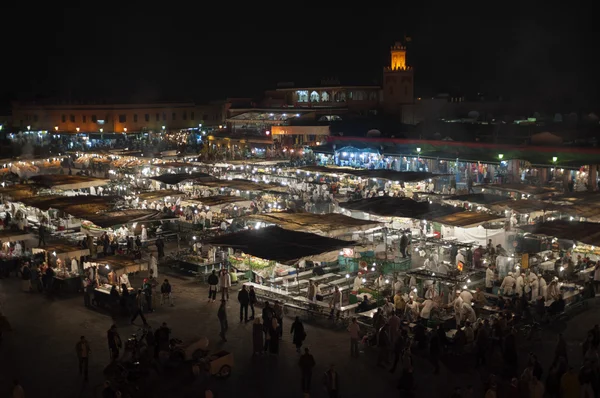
41, 351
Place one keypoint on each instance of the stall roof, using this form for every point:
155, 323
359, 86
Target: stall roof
63, 248
178, 178
520, 188
453, 279
578, 197
175, 165
163, 193
386, 206
18, 192
80, 204
526, 206
14, 236
112, 218
585, 232
478, 198
329, 224
582, 210
58, 181
467, 219
218, 200
392, 175
278, 244
242, 185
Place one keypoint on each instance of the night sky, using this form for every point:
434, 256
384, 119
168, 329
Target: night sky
202, 51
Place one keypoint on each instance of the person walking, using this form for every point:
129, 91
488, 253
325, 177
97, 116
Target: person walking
243, 299
278, 311
257, 336
139, 307
331, 382
252, 300
299, 333
222, 315
82, 348
306, 363
267, 317
165, 293
354, 330
273, 336
213, 282
42, 235
114, 342
224, 284
148, 294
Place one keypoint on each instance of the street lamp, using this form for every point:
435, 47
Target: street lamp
55, 128
125, 129
500, 156
554, 159
163, 127
28, 128
77, 128
101, 130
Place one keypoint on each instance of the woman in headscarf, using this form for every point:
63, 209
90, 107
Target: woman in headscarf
299, 333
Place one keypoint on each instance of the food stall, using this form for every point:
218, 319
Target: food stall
67, 276
10, 258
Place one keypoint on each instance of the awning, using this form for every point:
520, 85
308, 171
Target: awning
14, 236
239, 184
278, 244
392, 175
218, 200
18, 192
66, 182
75, 205
178, 178
519, 188
156, 195
386, 206
331, 224
527, 206
62, 251
113, 218
477, 198
585, 232
467, 219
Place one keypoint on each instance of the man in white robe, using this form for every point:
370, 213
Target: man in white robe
508, 284
153, 265
543, 290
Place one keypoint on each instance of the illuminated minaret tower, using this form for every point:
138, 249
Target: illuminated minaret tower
398, 81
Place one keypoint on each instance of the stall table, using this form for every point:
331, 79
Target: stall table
67, 283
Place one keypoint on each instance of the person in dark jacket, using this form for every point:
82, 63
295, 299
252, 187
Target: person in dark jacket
267, 317
306, 363
222, 315
252, 300
299, 333
114, 342
243, 299
213, 281
331, 382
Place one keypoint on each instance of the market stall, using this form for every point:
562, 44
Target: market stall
331, 224
66, 260
12, 252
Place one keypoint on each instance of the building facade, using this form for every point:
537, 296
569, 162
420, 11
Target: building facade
114, 118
